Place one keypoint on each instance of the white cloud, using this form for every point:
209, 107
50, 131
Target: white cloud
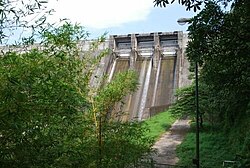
101, 13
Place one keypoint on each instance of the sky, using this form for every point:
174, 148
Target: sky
120, 17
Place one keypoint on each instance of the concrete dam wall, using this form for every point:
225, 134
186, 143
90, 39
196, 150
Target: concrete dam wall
158, 59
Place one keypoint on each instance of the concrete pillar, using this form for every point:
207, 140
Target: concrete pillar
179, 59
109, 59
132, 57
112, 44
157, 52
183, 61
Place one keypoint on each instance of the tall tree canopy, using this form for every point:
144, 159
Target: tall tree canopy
16, 16
189, 4
50, 115
220, 42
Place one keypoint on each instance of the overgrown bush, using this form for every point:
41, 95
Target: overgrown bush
51, 117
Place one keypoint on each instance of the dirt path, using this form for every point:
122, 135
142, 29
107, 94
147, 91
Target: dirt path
166, 145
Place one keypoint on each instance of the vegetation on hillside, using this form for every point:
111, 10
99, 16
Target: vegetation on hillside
159, 124
213, 148
50, 115
219, 42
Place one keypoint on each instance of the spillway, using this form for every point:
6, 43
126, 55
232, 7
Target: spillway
119, 65
165, 82
156, 58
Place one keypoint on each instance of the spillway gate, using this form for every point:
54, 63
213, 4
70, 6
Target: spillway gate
158, 59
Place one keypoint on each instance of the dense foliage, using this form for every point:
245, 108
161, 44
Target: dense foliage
220, 43
16, 17
185, 104
50, 116
189, 4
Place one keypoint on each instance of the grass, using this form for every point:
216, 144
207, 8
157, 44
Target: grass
214, 148
159, 124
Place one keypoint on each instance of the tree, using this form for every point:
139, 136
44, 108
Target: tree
51, 117
41, 94
189, 4
220, 42
18, 16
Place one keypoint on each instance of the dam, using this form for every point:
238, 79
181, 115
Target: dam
158, 59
